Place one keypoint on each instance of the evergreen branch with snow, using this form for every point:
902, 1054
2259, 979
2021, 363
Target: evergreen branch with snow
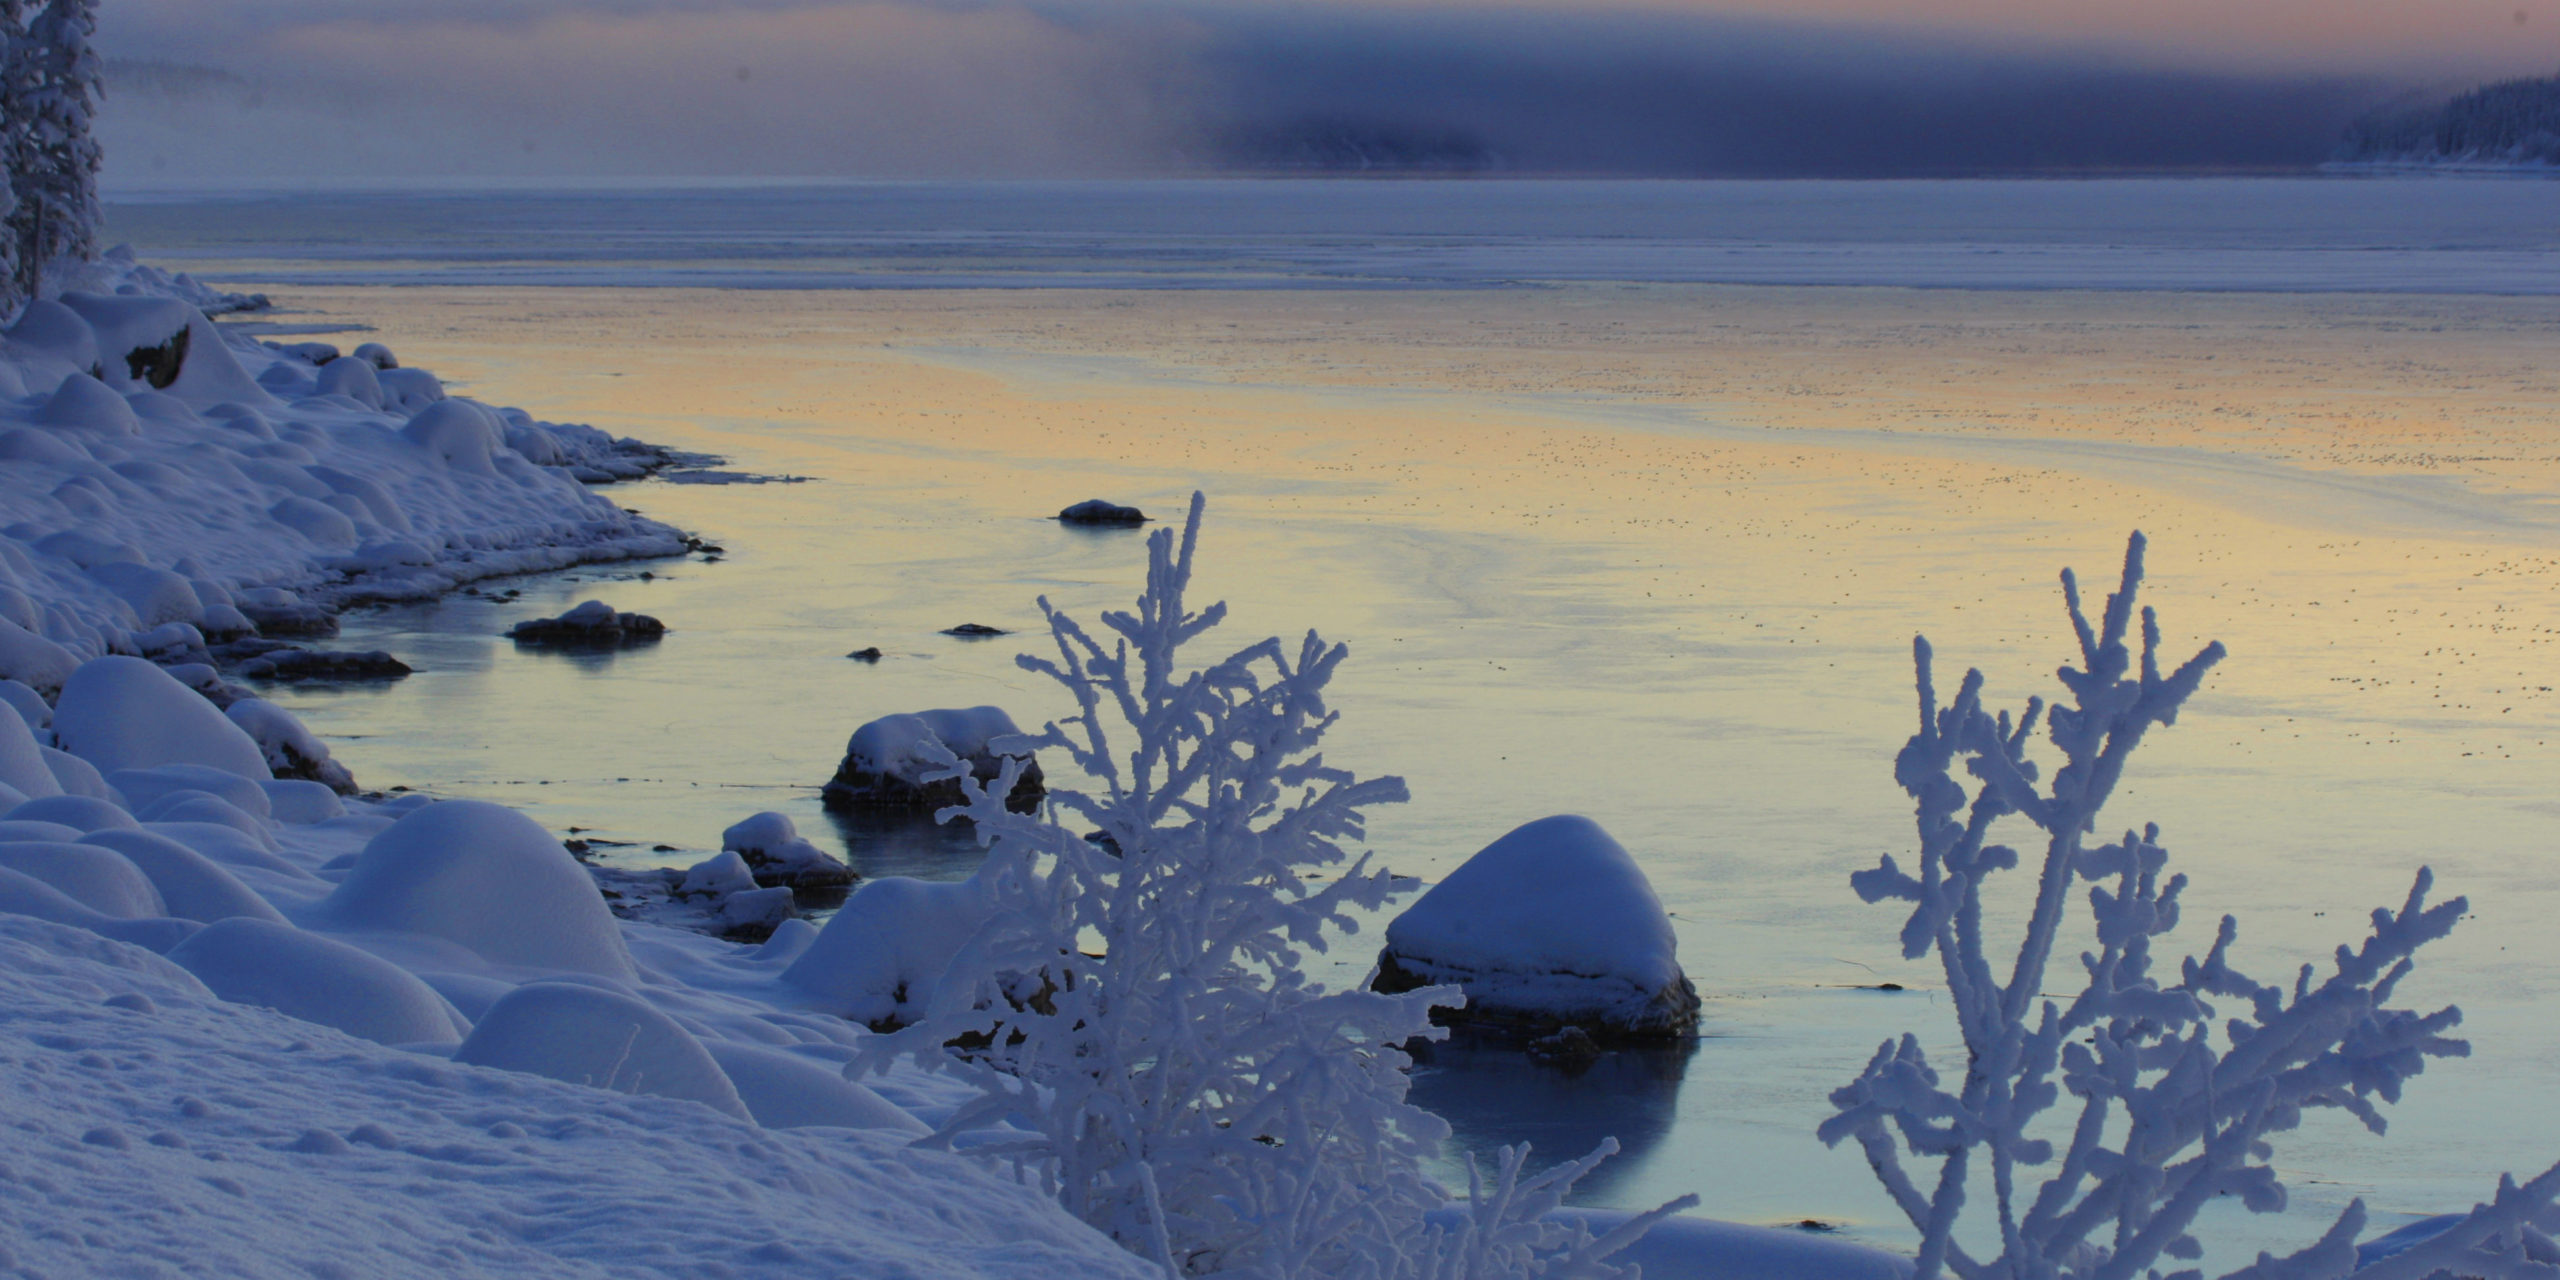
1133, 1015
2170, 1115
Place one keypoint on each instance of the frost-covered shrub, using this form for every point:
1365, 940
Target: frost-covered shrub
1133, 1004
2174, 1110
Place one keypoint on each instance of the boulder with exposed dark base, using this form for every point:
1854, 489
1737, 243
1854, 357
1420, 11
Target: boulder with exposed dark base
885, 767
1552, 927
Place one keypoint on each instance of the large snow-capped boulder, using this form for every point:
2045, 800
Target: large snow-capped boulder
884, 766
605, 1039
881, 956
772, 848
136, 335
1551, 926
317, 979
124, 713
783, 1090
192, 886
487, 878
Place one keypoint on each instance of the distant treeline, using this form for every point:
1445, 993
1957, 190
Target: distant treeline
2510, 122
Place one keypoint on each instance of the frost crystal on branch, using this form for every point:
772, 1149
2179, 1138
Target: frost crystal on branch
2173, 1109
1133, 1014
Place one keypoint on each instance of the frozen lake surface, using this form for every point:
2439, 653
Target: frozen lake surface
1644, 537
2477, 235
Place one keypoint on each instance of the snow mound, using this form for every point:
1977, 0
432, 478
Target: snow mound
884, 764
22, 763
1551, 926
301, 802
83, 813
784, 1090
317, 979
718, 877
192, 886
124, 713
32, 660
603, 1039
145, 789
24, 895
773, 850
487, 878
878, 960
100, 879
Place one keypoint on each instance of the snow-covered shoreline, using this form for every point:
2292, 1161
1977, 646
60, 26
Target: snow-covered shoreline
166, 471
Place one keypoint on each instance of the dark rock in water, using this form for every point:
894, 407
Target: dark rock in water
316, 664
871, 654
593, 625
1097, 511
1570, 1048
884, 766
974, 631
290, 619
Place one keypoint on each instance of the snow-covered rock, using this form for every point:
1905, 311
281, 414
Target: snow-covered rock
591, 625
604, 1039
717, 877
1551, 926
884, 765
784, 1090
317, 979
878, 960
1097, 511
486, 878
773, 850
290, 750
124, 713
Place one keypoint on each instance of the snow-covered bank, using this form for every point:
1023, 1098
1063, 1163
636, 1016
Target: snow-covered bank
163, 470
154, 1126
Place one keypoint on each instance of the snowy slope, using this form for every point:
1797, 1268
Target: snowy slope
150, 1123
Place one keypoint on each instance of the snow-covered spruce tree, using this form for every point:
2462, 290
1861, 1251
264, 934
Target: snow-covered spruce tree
2173, 1111
55, 164
1135, 1009
16, 71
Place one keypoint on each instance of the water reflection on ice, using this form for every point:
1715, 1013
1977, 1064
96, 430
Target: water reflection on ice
1492, 1094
